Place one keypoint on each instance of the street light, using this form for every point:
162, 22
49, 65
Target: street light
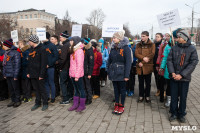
192, 17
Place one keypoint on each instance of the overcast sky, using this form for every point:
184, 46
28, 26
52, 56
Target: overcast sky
140, 14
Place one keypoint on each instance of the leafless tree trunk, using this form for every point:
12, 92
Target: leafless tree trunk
7, 24
96, 19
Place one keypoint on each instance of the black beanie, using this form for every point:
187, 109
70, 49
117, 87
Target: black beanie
64, 34
48, 35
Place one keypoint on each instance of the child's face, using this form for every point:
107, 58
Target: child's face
181, 40
54, 40
5, 48
71, 42
116, 40
158, 38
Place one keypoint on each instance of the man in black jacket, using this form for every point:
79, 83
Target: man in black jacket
88, 68
64, 62
52, 54
36, 71
181, 62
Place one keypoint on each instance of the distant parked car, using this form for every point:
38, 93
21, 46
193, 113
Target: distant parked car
193, 43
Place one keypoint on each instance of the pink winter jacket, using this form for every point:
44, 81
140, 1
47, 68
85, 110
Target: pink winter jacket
76, 69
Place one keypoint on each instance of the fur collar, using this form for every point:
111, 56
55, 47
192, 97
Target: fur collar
88, 46
122, 43
25, 48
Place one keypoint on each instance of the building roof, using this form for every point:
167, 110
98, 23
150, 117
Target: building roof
27, 10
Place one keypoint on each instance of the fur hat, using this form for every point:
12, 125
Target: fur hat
119, 35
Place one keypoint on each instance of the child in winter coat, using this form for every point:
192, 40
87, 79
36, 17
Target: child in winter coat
3, 83
25, 81
88, 68
76, 72
11, 71
119, 66
103, 71
95, 80
181, 62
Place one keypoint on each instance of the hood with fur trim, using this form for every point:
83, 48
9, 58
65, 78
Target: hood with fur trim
88, 46
122, 43
25, 48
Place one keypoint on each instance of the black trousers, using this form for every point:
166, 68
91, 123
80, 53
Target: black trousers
88, 88
161, 85
26, 87
95, 84
144, 92
14, 89
56, 81
130, 84
156, 77
168, 87
41, 94
103, 74
3, 89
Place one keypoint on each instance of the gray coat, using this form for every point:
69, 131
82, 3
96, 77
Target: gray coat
189, 61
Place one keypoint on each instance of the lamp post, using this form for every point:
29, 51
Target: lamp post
192, 18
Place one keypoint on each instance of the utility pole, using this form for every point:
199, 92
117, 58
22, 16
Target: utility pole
152, 33
192, 24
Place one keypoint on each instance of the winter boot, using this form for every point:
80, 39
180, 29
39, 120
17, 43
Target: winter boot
81, 105
75, 104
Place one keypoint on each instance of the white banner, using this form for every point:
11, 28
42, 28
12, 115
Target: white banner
41, 33
169, 19
14, 36
109, 29
77, 30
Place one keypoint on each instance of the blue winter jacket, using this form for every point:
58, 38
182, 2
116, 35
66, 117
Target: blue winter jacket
52, 53
105, 56
12, 65
24, 61
120, 60
134, 58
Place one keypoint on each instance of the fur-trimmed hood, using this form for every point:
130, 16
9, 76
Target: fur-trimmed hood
25, 48
122, 43
78, 46
88, 46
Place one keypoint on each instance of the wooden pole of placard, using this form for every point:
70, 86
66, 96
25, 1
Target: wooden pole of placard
172, 36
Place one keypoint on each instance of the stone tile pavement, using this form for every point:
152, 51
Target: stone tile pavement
97, 118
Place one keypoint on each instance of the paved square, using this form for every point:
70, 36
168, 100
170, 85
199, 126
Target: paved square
97, 118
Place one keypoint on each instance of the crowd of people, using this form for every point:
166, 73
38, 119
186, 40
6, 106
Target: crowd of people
76, 68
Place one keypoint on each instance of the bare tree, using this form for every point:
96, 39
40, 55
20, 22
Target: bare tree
127, 31
96, 18
64, 24
7, 24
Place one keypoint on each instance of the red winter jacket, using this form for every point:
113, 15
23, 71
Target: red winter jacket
97, 62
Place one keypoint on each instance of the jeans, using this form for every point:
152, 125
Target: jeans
78, 87
178, 88
147, 79
66, 85
49, 83
119, 90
